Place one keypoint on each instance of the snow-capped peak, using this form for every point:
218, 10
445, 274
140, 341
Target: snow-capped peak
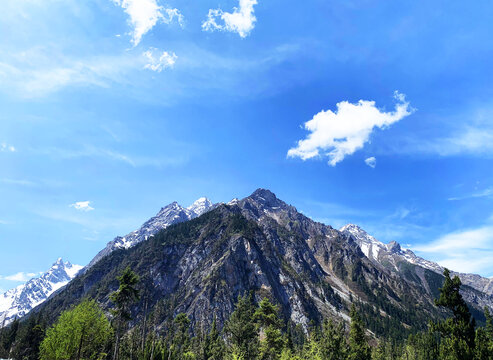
370, 246
200, 206
171, 214
19, 301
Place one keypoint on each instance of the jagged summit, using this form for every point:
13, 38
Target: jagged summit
171, 214
392, 256
19, 301
200, 206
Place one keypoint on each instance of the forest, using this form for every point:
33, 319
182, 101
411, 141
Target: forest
254, 331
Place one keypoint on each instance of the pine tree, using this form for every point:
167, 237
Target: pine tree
267, 318
214, 347
123, 298
8, 337
28, 341
242, 331
333, 341
484, 339
358, 346
458, 334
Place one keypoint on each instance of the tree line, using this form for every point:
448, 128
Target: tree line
254, 331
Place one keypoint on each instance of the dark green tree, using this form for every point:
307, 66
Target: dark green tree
241, 330
333, 344
358, 345
269, 323
484, 339
123, 298
180, 344
29, 339
214, 347
457, 332
8, 337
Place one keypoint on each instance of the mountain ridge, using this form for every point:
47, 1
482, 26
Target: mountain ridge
259, 244
19, 301
170, 214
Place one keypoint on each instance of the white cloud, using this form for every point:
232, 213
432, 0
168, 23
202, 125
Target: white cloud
43, 70
371, 162
480, 194
7, 148
340, 133
20, 276
145, 14
475, 140
241, 20
82, 206
158, 61
457, 250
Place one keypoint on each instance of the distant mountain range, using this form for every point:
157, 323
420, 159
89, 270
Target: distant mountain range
198, 259
17, 302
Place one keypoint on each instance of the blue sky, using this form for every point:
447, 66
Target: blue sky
372, 112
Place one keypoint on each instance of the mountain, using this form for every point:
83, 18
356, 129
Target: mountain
258, 244
17, 302
168, 215
476, 289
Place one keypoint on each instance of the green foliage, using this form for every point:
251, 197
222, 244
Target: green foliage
28, 340
8, 337
214, 346
123, 298
80, 333
333, 344
358, 345
241, 330
458, 334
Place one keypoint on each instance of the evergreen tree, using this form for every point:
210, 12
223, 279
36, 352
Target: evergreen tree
26, 346
242, 331
458, 332
484, 339
79, 333
333, 341
180, 344
123, 298
8, 337
358, 346
214, 347
267, 318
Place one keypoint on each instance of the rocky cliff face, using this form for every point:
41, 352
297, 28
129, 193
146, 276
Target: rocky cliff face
17, 302
258, 244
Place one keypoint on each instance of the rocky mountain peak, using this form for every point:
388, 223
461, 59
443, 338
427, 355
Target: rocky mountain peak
266, 199
19, 301
394, 247
200, 206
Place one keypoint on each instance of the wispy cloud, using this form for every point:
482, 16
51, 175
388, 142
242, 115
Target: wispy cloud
486, 193
7, 148
82, 206
371, 162
20, 182
40, 71
241, 20
475, 140
159, 60
338, 134
457, 249
88, 151
145, 14
19, 277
